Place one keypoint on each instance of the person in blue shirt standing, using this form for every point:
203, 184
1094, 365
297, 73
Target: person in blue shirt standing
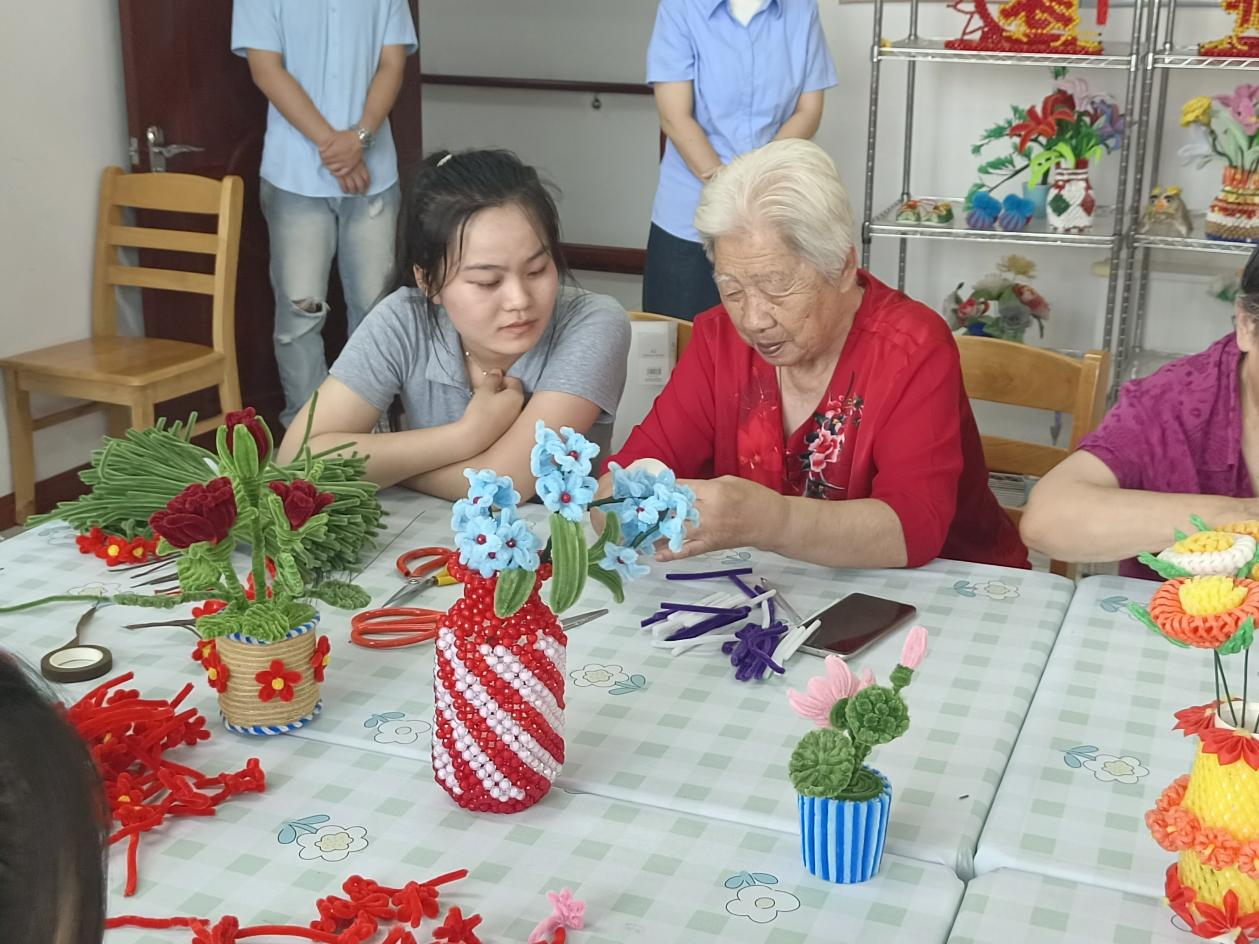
331, 70
729, 76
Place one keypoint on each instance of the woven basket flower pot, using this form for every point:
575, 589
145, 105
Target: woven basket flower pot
271, 687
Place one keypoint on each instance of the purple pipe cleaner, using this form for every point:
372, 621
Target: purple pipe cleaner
713, 622
751, 655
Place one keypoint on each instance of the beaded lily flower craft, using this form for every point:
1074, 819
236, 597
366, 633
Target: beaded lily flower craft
1210, 817
843, 804
499, 672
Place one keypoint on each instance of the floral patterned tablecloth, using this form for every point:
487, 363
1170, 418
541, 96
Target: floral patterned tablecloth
677, 733
1097, 748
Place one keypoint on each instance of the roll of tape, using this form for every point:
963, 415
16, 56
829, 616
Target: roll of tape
76, 662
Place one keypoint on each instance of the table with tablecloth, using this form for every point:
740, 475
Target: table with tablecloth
1098, 747
643, 726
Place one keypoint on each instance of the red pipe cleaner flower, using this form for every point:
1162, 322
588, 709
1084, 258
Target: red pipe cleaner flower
248, 417
198, 513
277, 681
320, 658
302, 501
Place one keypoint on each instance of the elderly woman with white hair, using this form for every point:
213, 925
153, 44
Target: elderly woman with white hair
814, 380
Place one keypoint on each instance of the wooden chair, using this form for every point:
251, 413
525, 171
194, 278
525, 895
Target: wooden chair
1022, 375
124, 375
683, 326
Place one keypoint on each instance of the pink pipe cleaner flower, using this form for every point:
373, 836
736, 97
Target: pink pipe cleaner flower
568, 913
915, 647
824, 691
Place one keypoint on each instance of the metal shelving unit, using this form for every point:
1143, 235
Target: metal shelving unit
1037, 234
1111, 223
1132, 358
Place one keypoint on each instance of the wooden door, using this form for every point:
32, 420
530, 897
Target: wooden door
182, 79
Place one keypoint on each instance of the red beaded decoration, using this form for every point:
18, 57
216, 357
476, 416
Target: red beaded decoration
498, 687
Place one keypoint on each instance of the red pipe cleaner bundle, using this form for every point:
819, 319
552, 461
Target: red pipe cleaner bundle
370, 908
128, 737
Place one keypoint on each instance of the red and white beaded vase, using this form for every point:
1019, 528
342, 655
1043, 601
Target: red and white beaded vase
498, 697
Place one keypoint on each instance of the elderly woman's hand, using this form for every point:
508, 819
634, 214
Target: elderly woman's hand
733, 512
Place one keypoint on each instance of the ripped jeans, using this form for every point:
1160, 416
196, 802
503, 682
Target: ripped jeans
306, 233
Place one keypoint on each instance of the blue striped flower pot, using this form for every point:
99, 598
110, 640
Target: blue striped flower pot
842, 840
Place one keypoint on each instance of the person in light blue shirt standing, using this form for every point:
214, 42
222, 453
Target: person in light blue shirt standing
729, 76
331, 70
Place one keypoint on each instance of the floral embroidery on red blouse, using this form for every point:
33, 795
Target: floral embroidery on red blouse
825, 443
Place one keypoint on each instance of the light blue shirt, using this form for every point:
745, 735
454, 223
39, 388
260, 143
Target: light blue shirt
747, 82
332, 48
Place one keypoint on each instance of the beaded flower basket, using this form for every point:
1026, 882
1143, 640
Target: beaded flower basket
498, 692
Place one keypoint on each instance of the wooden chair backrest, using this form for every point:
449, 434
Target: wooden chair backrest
175, 193
1019, 374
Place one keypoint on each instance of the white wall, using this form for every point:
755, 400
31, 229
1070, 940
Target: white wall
61, 95
605, 160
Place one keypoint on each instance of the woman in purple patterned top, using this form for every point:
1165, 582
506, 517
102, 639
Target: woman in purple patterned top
1181, 442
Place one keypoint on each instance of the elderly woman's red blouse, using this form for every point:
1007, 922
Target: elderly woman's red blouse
895, 424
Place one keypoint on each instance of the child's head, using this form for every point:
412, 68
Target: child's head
53, 821
482, 238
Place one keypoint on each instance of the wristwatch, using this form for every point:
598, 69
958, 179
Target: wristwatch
365, 138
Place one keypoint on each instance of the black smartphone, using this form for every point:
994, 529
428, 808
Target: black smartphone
854, 623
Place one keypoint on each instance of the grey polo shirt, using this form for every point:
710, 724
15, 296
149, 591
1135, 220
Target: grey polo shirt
395, 351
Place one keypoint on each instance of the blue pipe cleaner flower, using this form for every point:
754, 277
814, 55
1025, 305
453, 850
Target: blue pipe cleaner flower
548, 447
520, 546
488, 487
642, 514
680, 501
578, 451
567, 494
624, 561
481, 547
628, 483
464, 510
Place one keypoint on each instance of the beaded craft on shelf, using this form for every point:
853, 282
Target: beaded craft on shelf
1040, 26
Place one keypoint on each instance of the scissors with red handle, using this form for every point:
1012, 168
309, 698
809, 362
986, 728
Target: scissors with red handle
396, 627
422, 568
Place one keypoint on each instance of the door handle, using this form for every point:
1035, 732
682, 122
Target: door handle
159, 150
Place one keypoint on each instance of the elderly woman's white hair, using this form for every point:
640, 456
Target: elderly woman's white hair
791, 185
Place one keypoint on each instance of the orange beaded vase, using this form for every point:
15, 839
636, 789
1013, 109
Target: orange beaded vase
498, 697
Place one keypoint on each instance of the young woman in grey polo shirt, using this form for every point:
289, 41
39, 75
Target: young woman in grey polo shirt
491, 337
